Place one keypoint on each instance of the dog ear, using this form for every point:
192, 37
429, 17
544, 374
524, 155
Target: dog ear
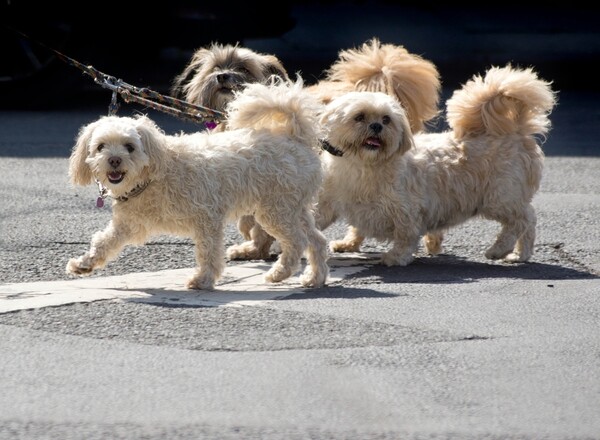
79, 171
178, 87
274, 67
407, 140
154, 142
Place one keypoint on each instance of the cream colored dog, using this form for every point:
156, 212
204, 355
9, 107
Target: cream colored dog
374, 67
192, 184
215, 72
488, 165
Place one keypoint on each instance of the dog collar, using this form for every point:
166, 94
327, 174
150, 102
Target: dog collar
210, 125
136, 191
330, 148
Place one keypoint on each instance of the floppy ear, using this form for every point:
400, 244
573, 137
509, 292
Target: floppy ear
274, 67
154, 141
407, 140
79, 171
178, 87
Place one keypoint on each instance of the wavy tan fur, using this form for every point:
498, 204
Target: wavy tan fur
215, 72
488, 165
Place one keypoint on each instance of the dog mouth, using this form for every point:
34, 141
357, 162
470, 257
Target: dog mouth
372, 143
115, 177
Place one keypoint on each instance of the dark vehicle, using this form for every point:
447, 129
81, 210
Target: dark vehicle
143, 43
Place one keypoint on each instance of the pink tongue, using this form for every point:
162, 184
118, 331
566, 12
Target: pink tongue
374, 142
114, 175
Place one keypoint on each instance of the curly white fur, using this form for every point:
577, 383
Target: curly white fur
488, 165
267, 164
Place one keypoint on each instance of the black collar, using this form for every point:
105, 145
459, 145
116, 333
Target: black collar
330, 148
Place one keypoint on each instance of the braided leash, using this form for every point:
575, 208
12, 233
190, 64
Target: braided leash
150, 98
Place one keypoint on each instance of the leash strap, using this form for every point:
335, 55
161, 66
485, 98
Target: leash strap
144, 95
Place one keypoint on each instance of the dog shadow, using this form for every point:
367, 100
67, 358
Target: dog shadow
447, 268
439, 270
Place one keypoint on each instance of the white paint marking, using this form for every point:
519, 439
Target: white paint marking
242, 285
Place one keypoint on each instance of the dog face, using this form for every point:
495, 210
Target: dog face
214, 73
117, 152
369, 126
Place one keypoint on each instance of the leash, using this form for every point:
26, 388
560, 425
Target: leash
150, 98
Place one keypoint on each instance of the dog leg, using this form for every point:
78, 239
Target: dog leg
433, 242
257, 248
286, 227
402, 251
324, 214
105, 246
350, 243
245, 224
316, 271
513, 229
210, 256
524, 248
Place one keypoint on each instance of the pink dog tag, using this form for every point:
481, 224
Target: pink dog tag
99, 202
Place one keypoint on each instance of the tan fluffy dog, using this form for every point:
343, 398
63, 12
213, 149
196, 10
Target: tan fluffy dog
488, 165
215, 72
375, 67
192, 184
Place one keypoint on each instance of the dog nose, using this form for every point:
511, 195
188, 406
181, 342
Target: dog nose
114, 161
222, 77
376, 127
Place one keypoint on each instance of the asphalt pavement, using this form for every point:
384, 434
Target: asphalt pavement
449, 347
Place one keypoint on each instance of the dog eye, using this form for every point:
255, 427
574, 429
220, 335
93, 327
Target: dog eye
359, 118
129, 148
100, 147
386, 120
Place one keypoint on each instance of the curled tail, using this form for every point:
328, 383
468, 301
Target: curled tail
390, 69
506, 100
283, 107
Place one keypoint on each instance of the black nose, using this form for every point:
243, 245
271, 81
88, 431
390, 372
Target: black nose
223, 77
376, 127
114, 161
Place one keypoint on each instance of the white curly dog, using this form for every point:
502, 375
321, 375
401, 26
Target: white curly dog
267, 164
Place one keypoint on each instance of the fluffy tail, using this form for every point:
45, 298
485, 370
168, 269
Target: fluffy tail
390, 69
283, 107
506, 100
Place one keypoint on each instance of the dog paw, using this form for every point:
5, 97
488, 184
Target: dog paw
495, 253
393, 259
515, 258
344, 246
80, 266
311, 279
201, 283
247, 251
277, 274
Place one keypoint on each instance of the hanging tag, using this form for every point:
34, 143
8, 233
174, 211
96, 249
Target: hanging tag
99, 202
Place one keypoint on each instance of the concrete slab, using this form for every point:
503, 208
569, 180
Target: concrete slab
242, 284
